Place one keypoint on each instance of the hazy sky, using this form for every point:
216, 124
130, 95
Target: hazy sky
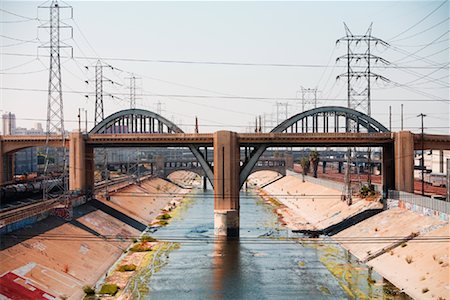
134, 36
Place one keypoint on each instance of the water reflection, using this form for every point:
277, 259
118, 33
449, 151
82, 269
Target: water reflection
226, 268
260, 264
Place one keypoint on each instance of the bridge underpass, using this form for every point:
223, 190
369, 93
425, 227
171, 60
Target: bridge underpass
315, 128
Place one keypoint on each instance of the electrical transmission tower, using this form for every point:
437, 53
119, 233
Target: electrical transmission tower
282, 111
359, 62
99, 113
309, 98
132, 88
359, 76
58, 186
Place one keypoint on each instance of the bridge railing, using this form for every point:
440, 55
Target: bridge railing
417, 203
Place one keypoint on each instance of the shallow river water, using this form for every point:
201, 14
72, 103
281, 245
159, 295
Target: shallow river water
262, 264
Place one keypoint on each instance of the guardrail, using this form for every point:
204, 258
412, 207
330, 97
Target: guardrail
420, 201
319, 181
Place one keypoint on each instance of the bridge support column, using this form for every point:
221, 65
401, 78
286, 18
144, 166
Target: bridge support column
89, 171
2, 165
77, 163
404, 161
388, 169
226, 183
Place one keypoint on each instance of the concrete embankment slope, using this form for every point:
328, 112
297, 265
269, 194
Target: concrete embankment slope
406, 251
308, 206
58, 258
400, 245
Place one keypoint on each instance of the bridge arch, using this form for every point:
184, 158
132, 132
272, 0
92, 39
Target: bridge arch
317, 120
314, 121
142, 121
135, 121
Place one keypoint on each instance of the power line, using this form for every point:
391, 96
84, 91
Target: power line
416, 34
220, 62
17, 15
418, 22
424, 47
199, 97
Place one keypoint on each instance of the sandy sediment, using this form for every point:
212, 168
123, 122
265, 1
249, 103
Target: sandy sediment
61, 257
404, 252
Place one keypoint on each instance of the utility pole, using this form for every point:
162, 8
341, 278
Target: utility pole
422, 160
196, 124
401, 126
55, 116
359, 95
390, 118
260, 125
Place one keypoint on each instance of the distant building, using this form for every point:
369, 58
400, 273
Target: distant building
8, 124
33, 131
26, 160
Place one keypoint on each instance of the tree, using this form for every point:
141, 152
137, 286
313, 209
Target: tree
304, 162
314, 158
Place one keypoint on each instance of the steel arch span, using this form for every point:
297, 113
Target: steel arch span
314, 121
146, 122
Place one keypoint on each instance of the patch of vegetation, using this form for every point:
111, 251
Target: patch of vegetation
409, 259
88, 290
371, 280
126, 268
367, 190
109, 289
164, 217
324, 290
141, 247
134, 240
424, 290
274, 202
404, 245
147, 238
162, 222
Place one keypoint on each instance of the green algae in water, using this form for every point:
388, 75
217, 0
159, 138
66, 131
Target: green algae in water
151, 264
357, 279
324, 290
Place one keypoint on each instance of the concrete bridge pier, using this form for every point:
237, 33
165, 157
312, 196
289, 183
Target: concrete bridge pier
404, 161
81, 166
226, 183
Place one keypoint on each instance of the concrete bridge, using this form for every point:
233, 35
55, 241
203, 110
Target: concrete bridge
318, 127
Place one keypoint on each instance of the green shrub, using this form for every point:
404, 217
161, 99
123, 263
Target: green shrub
163, 222
88, 290
140, 248
147, 238
163, 217
365, 190
127, 268
109, 288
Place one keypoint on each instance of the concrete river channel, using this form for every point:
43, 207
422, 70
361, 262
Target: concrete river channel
261, 264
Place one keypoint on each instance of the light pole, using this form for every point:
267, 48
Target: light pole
422, 163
